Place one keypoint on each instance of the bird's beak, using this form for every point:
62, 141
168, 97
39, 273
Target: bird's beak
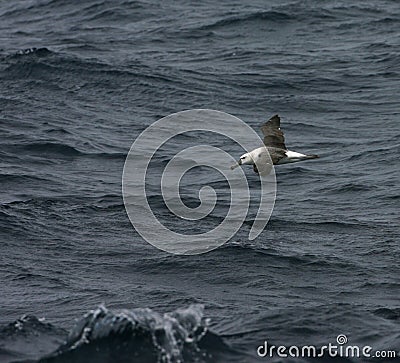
236, 165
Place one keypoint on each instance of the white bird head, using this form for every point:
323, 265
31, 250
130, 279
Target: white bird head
244, 159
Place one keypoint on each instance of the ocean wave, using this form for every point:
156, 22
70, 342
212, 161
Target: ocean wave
26, 325
38, 52
282, 14
352, 187
62, 150
272, 16
21, 178
65, 71
261, 252
377, 153
390, 314
52, 148
66, 203
28, 338
124, 336
139, 335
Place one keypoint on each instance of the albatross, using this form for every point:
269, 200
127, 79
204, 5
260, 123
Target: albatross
274, 142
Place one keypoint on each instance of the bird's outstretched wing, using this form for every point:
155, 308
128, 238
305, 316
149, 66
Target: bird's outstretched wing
273, 136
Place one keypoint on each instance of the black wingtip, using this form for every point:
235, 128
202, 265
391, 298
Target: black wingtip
275, 120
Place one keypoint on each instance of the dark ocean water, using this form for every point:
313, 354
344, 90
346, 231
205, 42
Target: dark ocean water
81, 79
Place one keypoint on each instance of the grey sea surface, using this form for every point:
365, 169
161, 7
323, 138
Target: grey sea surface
80, 80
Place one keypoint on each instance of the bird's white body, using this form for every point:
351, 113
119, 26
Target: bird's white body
292, 157
251, 157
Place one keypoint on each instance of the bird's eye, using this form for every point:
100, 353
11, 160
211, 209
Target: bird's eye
243, 157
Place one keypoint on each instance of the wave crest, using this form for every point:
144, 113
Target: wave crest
142, 334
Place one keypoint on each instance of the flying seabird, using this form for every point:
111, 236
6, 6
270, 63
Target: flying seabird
274, 142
